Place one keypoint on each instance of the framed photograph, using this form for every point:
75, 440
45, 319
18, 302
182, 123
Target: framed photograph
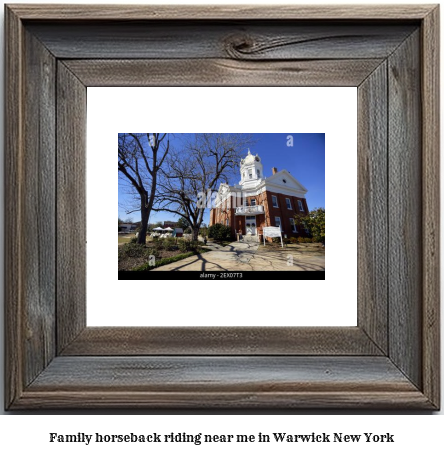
66, 62
216, 213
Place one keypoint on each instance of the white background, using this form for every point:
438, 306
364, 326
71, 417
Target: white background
216, 303
412, 434
417, 433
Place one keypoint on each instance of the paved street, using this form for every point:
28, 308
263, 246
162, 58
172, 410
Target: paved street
248, 256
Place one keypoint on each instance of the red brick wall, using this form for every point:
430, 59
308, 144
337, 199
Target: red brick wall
220, 214
240, 224
285, 214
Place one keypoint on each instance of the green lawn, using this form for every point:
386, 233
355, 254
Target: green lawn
125, 239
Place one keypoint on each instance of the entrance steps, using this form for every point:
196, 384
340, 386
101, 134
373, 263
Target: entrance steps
250, 238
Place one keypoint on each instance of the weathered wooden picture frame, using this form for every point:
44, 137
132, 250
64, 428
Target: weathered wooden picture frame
389, 360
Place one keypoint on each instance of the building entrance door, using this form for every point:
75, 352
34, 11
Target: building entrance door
250, 223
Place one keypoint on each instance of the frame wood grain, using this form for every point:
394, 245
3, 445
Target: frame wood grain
390, 360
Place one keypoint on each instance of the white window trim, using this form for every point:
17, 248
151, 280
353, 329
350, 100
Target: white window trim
301, 206
251, 202
295, 229
273, 197
287, 202
280, 222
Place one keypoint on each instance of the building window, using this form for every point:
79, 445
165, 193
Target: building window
253, 202
258, 173
228, 222
251, 175
288, 203
275, 201
277, 221
293, 226
301, 208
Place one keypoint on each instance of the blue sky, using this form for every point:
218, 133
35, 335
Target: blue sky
305, 160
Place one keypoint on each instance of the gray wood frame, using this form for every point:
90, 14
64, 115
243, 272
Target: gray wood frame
390, 360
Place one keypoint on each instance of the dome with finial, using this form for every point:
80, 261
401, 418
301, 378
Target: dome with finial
250, 169
250, 158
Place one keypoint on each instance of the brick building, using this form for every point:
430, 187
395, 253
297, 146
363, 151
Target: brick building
257, 201
169, 224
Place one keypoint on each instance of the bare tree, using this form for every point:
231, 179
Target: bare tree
196, 170
141, 156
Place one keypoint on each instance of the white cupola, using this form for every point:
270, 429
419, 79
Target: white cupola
251, 170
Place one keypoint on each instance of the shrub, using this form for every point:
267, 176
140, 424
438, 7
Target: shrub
169, 244
133, 250
183, 245
304, 240
293, 240
277, 240
157, 243
314, 222
219, 232
187, 245
154, 250
164, 261
133, 240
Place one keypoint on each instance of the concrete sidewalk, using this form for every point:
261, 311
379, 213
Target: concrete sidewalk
247, 256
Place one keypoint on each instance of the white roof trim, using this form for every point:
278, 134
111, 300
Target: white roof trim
285, 174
